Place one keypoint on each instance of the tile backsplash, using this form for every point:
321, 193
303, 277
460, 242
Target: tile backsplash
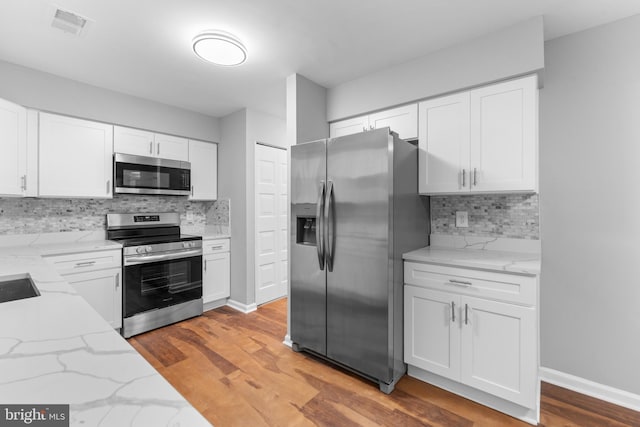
27, 216
493, 215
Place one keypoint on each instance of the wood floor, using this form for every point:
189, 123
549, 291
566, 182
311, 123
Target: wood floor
234, 369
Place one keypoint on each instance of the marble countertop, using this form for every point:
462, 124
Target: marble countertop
478, 255
208, 232
55, 349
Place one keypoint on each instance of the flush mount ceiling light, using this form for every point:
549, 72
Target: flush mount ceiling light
220, 48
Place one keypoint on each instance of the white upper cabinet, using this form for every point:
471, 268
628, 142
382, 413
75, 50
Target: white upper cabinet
172, 147
444, 144
13, 149
203, 157
349, 126
504, 139
75, 157
484, 140
402, 120
144, 143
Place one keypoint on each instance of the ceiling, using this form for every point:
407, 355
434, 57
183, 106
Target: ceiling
143, 47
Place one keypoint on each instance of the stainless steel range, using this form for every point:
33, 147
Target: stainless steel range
162, 270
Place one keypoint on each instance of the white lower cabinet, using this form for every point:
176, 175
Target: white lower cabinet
216, 275
103, 291
97, 277
461, 326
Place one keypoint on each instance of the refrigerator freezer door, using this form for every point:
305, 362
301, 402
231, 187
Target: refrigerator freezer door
359, 285
308, 277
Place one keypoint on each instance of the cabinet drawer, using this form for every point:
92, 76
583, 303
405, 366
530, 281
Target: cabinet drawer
89, 261
215, 246
498, 286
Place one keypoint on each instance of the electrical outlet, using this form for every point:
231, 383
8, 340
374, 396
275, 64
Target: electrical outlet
462, 219
189, 215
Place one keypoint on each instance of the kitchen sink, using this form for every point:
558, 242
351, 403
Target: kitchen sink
17, 286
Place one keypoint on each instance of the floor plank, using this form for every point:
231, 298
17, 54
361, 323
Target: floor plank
235, 370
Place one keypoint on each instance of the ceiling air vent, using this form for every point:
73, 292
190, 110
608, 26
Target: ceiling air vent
70, 22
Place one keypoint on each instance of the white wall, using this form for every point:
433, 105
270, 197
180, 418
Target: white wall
48, 92
232, 184
240, 131
513, 51
590, 204
306, 110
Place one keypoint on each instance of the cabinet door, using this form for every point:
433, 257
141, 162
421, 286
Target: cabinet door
203, 157
133, 141
498, 346
504, 136
432, 331
349, 126
216, 277
13, 148
402, 120
444, 145
103, 291
75, 157
172, 147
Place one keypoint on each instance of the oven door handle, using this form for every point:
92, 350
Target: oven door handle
144, 259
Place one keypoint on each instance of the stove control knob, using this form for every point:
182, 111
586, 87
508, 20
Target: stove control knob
148, 249
141, 250
187, 245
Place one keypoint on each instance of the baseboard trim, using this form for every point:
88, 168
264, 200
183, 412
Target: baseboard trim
214, 304
287, 341
528, 415
591, 388
245, 308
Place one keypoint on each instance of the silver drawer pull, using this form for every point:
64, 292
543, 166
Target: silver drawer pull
459, 283
216, 247
84, 264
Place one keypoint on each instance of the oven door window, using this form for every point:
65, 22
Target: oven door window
161, 284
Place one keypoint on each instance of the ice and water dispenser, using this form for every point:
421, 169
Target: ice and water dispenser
306, 230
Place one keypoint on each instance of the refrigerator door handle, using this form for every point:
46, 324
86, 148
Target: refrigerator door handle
320, 226
329, 225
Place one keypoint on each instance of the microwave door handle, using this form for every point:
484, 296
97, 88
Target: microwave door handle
319, 226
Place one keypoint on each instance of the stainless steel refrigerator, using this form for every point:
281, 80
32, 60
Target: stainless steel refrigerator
355, 210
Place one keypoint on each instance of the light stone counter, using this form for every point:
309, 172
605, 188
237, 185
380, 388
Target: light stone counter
501, 255
208, 232
55, 349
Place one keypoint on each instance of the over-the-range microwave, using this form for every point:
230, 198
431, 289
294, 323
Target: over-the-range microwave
150, 175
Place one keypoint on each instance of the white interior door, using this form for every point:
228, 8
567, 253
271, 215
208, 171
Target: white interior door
271, 203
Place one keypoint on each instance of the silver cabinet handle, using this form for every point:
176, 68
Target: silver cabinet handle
320, 226
475, 177
108, 186
150, 147
117, 280
329, 224
205, 265
23, 182
192, 190
466, 314
84, 264
464, 178
158, 149
459, 283
216, 247
453, 311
